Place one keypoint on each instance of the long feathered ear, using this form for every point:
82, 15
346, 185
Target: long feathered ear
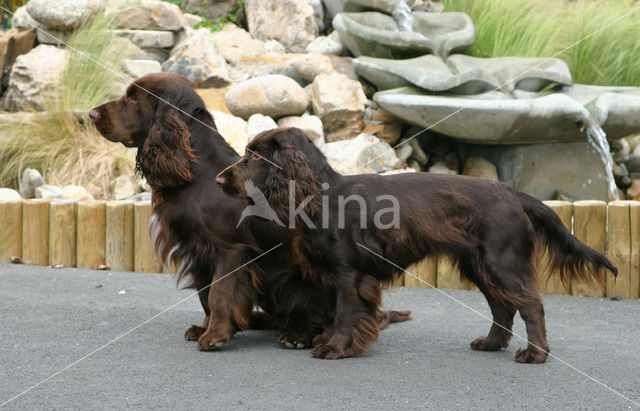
295, 168
166, 155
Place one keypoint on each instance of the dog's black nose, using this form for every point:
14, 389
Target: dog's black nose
220, 181
94, 115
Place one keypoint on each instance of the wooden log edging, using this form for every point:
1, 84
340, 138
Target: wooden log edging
116, 234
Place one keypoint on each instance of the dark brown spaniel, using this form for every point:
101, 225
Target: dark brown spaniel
194, 224
352, 229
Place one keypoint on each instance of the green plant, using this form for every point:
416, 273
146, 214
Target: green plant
542, 28
65, 150
232, 17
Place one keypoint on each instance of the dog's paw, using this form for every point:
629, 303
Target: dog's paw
485, 344
213, 340
328, 352
531, 355
295, 340
194, 332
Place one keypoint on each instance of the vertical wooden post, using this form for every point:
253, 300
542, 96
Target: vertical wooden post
91, 234
448, 276
619, 250
590, 227
119, 232
399, 281
145, 259
10, 230
35, 232
62, 233
553, 284
634, 222
425, 270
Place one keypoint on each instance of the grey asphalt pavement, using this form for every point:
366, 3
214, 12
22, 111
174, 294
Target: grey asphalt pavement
50, 318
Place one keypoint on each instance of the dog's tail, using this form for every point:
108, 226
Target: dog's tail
568, 256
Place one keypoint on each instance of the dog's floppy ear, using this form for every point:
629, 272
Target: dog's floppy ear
166, 155
292, 165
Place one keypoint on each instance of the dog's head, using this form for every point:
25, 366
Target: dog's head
281, 164
153, 116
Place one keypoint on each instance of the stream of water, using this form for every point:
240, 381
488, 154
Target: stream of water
598, 139
403, 17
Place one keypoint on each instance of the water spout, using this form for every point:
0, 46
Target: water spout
598, 139
403, 17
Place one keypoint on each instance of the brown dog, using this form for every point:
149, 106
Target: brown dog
194, 223
353, 230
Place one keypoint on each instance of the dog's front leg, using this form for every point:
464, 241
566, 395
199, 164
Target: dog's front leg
355, 326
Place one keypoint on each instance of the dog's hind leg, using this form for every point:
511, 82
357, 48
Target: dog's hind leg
537, 348
500, 332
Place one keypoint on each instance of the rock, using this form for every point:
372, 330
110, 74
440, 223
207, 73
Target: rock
272, 95
13, 43
479, 167
342, 124
274, 47
232, 129
48, 191
197, 59
8, 194
149, 39
258, 123
123, 187
291, 22
620, 147
335, 91
31, 179
236, 44
428, 6
152, 15
363, 154
94, 190
73, 192
403, 152
35, 77
330, 44
191, 19
212, 10
339, 102
378, 35
308, 66
633, 192
63, 15
311, 125
145, 196
441, 168
214, 98
419, 154
318, 13
139, 68
45, 35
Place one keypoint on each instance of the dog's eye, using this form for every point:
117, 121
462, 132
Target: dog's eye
244, 163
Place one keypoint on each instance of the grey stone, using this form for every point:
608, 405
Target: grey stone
618, 114
274, 47
318, 13
191, 19
311, 125
63, 14
31, 179
147, 39
152, 15
480, 167
196, 58
74, 192
540, 170
362, 154
441, 168
45, 35
214, 9
377, 35
123, 187
139, 68
335, 91
291, 22
342, 124
48, 191
258, 123
272, 95
404, 152
308, 66
144, 196
326, 45
35, 78
8, 194
428, 72
491, 119
337, 6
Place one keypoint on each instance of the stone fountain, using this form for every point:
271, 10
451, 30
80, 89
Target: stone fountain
523, 114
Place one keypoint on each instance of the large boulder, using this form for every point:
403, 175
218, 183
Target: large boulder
308, 66
45, 35
35, 77
197, 58
291, 22
152, 15
232, 129
63, 15
149, 39
272, 95
311, 125
212, 10
139, 68
258, 123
